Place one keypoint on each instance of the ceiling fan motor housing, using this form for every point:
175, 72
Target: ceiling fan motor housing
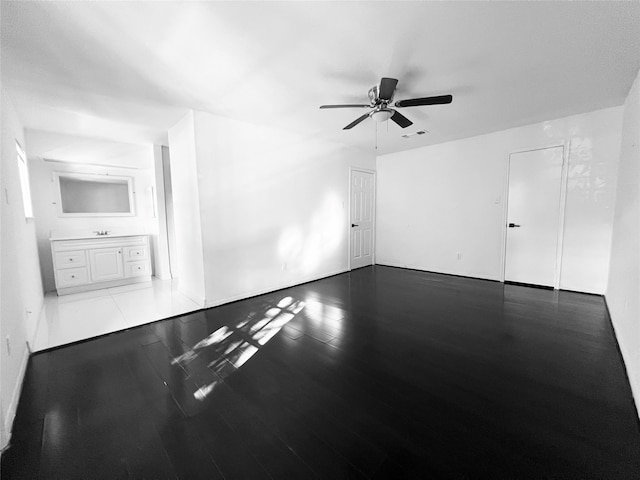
373, 95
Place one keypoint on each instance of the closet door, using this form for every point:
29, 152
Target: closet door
533, 219
362, 218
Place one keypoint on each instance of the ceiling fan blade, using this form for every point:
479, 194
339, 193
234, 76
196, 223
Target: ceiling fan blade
346, 105
416, 102
387, 87
357, 121
401, 120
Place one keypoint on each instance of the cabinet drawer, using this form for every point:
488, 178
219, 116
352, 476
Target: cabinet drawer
70, 259
69, 277
137, 269
135, 253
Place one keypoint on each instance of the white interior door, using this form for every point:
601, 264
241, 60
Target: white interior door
533, 218
362, 216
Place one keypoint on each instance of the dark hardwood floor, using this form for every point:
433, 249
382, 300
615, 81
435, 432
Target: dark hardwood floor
380, 373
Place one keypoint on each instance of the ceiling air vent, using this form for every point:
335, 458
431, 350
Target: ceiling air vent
419, 132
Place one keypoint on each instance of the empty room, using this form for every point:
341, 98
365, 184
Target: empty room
310, 239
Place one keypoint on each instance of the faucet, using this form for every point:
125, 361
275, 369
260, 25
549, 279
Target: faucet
101, 232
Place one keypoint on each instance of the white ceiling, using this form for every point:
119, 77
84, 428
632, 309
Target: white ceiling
127, 71
87, 150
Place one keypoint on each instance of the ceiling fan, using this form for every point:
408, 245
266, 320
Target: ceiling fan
381, 96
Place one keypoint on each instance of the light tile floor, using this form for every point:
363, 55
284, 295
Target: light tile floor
79, 316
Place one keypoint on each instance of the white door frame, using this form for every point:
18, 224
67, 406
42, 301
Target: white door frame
566, 146
373, 206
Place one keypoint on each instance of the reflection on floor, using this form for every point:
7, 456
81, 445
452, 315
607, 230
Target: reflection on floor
380, 373
230, 347
79, 316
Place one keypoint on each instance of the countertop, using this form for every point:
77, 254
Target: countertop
84, 236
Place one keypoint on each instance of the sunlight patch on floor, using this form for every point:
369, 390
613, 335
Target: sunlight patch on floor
236, 345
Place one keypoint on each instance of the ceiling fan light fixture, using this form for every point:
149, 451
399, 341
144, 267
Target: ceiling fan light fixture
382, 115
380, 100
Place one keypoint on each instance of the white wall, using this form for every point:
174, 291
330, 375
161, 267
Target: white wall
160, 242
45, 198
436, 201
20, 274
623, 291
189, 259
168, 204
273, 206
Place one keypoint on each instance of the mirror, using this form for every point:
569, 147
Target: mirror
86, 195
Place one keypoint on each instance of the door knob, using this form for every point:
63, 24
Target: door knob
513, 225
354, 225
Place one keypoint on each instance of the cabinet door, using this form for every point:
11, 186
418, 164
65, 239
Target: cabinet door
106, 264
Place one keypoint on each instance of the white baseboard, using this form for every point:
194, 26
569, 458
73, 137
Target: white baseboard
625, 355
13, 406
194, 298
42, 317
423, 268
274, 288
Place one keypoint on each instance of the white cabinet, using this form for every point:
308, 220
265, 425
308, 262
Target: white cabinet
106, 264
82, 264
